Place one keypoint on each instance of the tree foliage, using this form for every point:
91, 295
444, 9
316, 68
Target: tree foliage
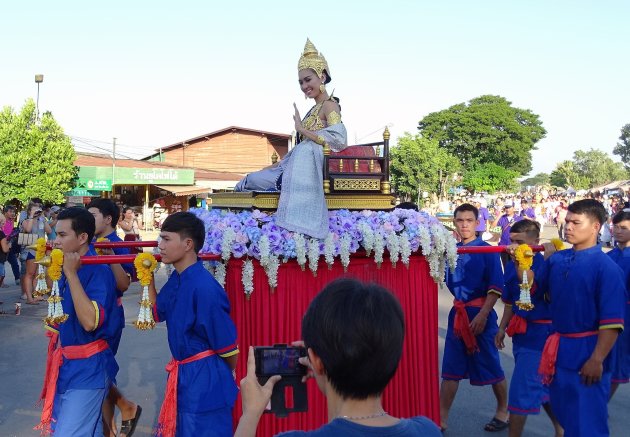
490, 177
36, 157
418, 164
623, 147
486, 130
537, 180
588, 169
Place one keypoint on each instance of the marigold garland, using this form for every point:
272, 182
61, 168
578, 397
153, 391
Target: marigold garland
145, 264
40, 251
524, 257
100, 240
55, 309
557, 243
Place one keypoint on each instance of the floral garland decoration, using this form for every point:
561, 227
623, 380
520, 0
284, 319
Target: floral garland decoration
41, 288
558, 244
145, 264
248, 277
100, 240
524, 257
55, 310
254, 234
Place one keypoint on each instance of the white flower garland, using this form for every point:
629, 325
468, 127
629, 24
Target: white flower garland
219, 274
226, 247
300, 249
313, 255
329, 250
247, 277
344, 251
393, 248
379, 249
405, 249
367, 238
265, 250
425, 241
272, 271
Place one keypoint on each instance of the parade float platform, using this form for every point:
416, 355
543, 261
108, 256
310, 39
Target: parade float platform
271, 275
269, 201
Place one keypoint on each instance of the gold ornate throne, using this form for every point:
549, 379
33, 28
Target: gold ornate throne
355, 178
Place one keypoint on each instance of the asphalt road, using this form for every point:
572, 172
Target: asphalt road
143, 355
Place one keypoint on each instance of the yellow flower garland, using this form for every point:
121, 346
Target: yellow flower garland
143, 269
100, 240
524, 257
56, 264
40, 251
558, 243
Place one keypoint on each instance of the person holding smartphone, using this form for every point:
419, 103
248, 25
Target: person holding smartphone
36, 224
353, 333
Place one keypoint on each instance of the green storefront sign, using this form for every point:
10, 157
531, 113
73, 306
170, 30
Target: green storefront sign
101, 179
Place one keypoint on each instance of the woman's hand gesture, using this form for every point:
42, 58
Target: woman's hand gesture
298, 120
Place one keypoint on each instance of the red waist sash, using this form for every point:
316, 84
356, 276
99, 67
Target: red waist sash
53, 363
461, 323
547, 367
167, 420
518, 325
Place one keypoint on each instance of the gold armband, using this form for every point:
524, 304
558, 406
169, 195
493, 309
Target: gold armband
333, 118
320, 140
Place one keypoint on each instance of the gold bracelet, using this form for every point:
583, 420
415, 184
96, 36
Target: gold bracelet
320, 140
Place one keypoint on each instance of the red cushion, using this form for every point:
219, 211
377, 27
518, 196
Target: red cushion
348, 164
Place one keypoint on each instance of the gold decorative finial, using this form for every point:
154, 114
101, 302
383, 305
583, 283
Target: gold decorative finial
45, 261
356, 165
386, 133
274, 157
314, 60
341, 165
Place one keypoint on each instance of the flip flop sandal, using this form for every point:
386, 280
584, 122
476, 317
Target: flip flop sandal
128, 426
496, 425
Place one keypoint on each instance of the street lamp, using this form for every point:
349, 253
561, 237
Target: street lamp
39, 78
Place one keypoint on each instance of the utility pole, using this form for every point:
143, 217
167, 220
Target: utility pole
39, 78
113, 163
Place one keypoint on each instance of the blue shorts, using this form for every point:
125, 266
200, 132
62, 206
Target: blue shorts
78, 412
483, 367
2, 271
581, 410
215, 423
29, 256
527, 392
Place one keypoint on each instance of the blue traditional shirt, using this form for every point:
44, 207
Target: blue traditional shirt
537, 333
588, 293
197, 314
98, 370
475, 275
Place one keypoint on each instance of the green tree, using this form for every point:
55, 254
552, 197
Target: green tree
36, 157
537, 180
587, 169
418, 164
623, 148
490, 177
486, 130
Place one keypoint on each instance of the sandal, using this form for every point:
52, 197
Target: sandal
496, 425
128, 426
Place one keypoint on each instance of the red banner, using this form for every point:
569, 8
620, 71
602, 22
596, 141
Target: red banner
275, 317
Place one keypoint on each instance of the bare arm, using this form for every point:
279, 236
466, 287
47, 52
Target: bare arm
125, 226
232, 360
508, 312
27, 225
592, 370
122, 278
5, 245
478, 324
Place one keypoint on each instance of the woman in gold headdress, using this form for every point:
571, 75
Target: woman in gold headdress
299, 175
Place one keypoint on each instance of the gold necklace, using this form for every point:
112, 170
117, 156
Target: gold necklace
372, 416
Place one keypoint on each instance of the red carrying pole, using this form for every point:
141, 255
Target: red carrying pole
125, 259
491, 249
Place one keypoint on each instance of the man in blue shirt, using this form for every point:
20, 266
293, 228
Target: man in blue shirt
106, 214
588, 302
201, 390
469, 350
529, 331
85, 363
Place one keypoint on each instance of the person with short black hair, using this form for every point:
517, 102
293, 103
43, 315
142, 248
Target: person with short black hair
354, 334
620, 355
86, 365
529, 330
106, 214
407, 205
201, 336
469, 351
9, 230
588, 302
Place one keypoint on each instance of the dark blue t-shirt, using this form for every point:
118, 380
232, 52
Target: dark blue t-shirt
416, 426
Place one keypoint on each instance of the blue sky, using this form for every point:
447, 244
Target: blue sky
152, 73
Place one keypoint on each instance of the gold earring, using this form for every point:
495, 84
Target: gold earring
322, 88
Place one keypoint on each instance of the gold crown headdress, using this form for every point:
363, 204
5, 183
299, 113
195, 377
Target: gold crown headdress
314, 60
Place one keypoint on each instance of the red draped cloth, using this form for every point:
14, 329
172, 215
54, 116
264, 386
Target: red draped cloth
269, 318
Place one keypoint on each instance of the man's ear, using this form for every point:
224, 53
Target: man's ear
83, 238
316, 362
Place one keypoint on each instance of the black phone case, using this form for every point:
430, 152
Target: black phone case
278, 401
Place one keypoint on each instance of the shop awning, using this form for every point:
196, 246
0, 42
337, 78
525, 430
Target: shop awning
82, 192
184, 190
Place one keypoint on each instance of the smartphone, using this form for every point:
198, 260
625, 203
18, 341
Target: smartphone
280, 360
